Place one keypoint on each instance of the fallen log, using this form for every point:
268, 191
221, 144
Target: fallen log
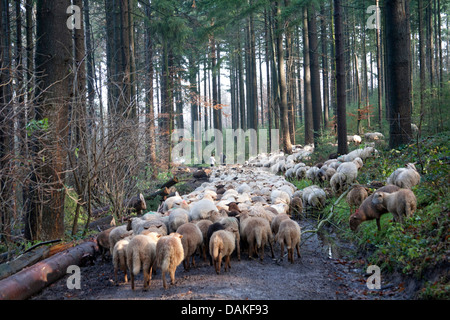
170, 183
24, 260
162, 192
31, 280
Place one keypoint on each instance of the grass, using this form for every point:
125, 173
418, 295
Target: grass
420, 247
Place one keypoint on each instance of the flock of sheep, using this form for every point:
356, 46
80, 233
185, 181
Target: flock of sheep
251, 206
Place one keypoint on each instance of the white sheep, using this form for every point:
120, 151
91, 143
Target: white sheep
177, 217
119, 258
201, 209
355, 139
279, 196
405, 177
117, 234
141, 252
402, 203
314, 196
373, 136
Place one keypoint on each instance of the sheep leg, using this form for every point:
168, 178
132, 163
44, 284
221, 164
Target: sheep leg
172, 275
282, 251
261, 256
132, 280
146, 279
291, 254
227, 263
164, 279
271, 249
298, 249
378, 224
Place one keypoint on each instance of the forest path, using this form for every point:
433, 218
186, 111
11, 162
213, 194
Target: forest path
316, 275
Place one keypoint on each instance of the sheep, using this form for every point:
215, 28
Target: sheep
222, 245
174, 202
138, 225
373, 136
405, 177
365, 153
119, 258
301, 172
141, 252
289, 234
232, 223
402, 203
169, 255
369, 211
354, 139
275, 225
356, 196
257, 233
177, 217
296, 206
203, 225
345, 175
311, 174
314, 196
201, 209
103, 241
117, 234
215, 216
192, 241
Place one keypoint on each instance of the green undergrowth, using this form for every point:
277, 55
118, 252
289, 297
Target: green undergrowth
420, 247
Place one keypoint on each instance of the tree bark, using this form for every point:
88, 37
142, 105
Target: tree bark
283, 107
399, 77
45, 219
308, 107
340, 80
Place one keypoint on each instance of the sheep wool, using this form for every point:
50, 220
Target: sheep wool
169, 255
402, 203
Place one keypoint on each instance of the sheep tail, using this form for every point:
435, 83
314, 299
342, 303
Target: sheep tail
136, 262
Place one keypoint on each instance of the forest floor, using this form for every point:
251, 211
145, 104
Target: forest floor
317, 275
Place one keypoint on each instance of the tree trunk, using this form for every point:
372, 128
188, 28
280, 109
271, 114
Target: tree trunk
316, 98
149, 107
308, 107
340, 80
283, 107
379, 71
398, 63
45, 219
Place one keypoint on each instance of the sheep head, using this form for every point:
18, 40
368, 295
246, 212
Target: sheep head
378, 197
356, 219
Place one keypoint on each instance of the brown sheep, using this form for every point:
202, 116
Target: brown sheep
203, 225
289, 234
169, 255
141, 252
276, 222
296, 206
356, 196
257, 233
402, 203
192, 241
103, 242
369, 211
222, 245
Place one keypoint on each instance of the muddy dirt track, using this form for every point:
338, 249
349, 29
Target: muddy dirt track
315, 276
